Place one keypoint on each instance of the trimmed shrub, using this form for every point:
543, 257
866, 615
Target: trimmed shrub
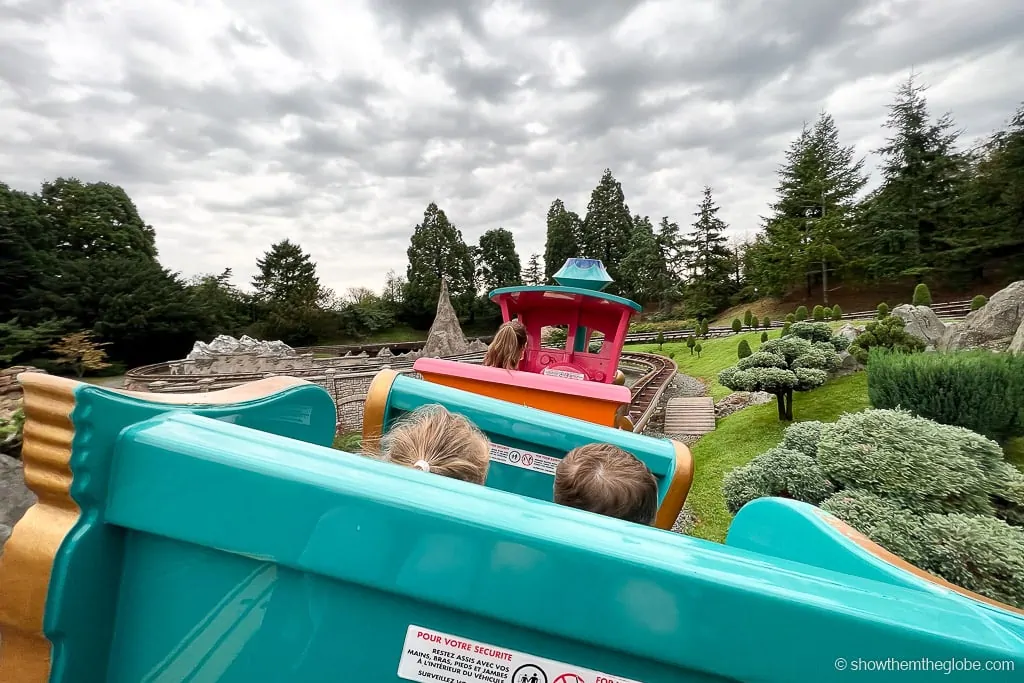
916, 463
887, 333
811, 331
940, 497
778, 472
787, 329
922, 296
660, 340
837, 313
698, 348
743, 350
819, 313
764, 337
748, 318
882, 311
790, 318
737, 325
767, 322
801, 313
839, 343
978, 301
780, 367
803, 437
979, 390
982, 554
690, 343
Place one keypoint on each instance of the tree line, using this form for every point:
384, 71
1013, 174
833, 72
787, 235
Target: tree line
940, 214
77, 257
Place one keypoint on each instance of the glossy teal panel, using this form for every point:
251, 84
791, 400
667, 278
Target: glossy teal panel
530, 429
79, 621
794, 530
244, 565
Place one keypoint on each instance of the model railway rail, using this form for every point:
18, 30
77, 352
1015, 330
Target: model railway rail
647, 390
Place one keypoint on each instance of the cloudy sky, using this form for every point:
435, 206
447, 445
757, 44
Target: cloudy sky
236, 123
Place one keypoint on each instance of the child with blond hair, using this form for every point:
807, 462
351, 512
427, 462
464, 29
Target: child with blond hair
607, 480
432, 439
507, 347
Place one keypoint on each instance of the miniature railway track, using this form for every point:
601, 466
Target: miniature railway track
648, 389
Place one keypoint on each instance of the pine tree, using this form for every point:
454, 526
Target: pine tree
644, 274
709, 289
534, 273
915, 215
810, 230
287, 275
607, 227
673, 248
563, 239
497, 261
436, 251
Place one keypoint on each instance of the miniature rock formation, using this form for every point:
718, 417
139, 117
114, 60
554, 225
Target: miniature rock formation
226, 344
15, 497
445, 337
994, 326
921, 322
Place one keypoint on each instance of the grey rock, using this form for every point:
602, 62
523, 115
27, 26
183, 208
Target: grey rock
738, 400
226, 344
921, 322
445, 337
1017, 343
987, 327
15, 497
849, 332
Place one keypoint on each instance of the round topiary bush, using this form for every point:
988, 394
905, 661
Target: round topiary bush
748, 318
801, 313
819, 313
922, 296
764, 337
940, 497
787, 329
743, 350
803, 437
737, 325
837, 313
778, 472
978, 301
882, 311
790, 318
888, 334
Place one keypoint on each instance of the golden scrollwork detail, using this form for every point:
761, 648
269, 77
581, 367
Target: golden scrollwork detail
28, 556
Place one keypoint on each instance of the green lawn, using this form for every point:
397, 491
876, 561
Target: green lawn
1015, 452
741, 436
717, 355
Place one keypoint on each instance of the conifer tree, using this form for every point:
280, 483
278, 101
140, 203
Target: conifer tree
916, 215
436, 251
644, 274
563, 239
710, 285
607, 227
534, 274
497, 261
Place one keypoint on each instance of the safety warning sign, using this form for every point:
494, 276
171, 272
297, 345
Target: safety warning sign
525, 459
442, 658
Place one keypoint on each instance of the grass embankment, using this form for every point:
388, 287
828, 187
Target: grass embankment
740, 437
717, 355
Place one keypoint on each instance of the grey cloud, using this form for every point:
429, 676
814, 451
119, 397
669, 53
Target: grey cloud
363, 162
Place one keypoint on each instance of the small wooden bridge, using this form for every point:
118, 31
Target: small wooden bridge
690, 416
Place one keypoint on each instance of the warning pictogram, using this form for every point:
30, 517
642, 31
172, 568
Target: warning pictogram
527, 459
514, 456
569, 678
529, 673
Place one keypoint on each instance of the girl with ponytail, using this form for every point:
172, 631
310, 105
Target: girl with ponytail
432, 439
508, 346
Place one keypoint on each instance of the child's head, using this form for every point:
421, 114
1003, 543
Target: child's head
506, 350
605, 479
434, 440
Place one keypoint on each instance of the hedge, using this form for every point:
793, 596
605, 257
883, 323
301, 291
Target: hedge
979, 390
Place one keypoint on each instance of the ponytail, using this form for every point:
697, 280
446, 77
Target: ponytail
507, 347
